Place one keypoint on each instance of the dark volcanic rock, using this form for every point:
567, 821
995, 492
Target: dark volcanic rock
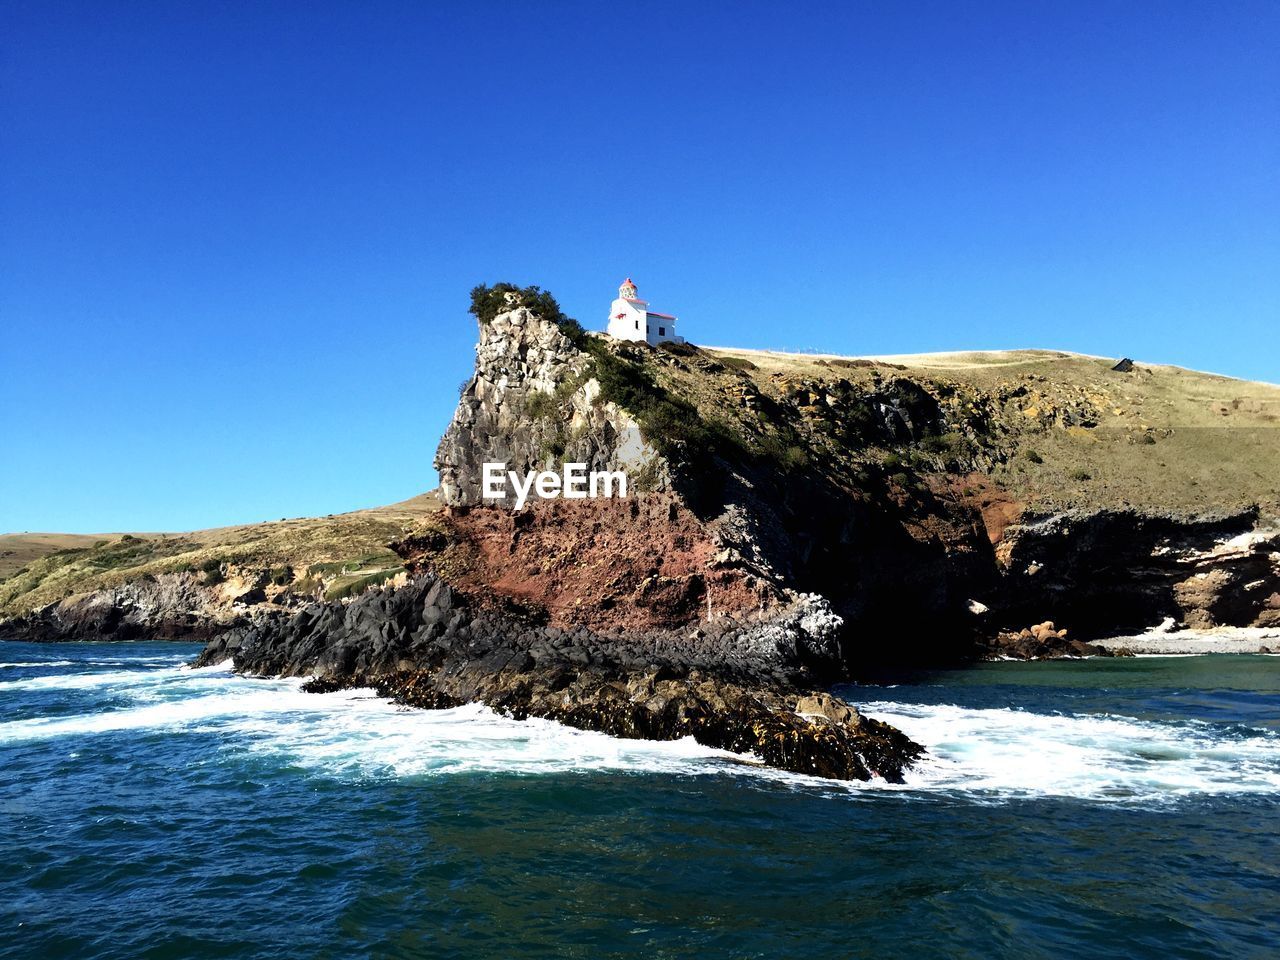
656, 705
425, 621
732, 685
1120, 571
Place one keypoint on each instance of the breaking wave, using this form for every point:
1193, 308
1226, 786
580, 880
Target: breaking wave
985, 753
37, 663
1009, 752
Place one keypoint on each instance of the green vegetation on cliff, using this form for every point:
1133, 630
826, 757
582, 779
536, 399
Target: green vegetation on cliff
674, 426
489, 301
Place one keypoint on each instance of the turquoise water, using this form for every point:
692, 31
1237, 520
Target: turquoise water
1075, 809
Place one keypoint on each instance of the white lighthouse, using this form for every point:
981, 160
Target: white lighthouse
631, 319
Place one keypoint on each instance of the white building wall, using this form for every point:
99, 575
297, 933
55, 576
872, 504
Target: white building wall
667, 326
631, 325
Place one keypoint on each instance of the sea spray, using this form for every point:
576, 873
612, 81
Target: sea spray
983, 752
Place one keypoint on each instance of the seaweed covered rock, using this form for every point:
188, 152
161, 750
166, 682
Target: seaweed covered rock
661, 705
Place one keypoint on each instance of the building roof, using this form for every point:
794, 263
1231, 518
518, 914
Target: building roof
660, 316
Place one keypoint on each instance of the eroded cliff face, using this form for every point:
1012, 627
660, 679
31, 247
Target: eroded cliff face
532, 405
1107, 572
754, 538
647, 560
171, 606
922, 556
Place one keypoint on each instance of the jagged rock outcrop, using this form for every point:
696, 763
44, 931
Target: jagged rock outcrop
1044, 641
733, 685
815, 733
532, 405
171, 606
1108, 572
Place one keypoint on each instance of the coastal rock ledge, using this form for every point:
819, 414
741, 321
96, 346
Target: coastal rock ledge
744, 686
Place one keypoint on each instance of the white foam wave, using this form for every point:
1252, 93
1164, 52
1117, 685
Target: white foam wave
356, 733
984, 753
372, 737
39, 663
174, 712
225, 666
1007, 752
126, 680
139, 682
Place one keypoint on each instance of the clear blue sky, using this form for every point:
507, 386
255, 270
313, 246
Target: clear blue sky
236, 239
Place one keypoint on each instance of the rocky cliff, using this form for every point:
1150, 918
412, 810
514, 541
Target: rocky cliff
1029, 486
900, 499
532, 404
918, 505
171, 606
1111, 571
176, 586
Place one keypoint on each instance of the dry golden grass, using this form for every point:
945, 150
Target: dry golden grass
348, 545
1166, 438
19, 549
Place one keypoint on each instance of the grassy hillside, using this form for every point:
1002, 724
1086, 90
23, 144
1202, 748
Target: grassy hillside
1079, 434
335, 554
17, 550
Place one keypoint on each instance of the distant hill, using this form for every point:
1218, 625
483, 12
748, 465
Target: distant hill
324, 555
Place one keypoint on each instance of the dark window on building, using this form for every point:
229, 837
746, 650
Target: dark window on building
662, 331
637, 324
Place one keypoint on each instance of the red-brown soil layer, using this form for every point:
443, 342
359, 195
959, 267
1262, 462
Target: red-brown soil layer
641, 562
998, 507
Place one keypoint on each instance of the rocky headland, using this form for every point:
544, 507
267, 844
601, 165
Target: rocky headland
790, 520
745, 686
903, 500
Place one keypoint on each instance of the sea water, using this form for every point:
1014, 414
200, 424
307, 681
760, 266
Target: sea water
1101, 808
